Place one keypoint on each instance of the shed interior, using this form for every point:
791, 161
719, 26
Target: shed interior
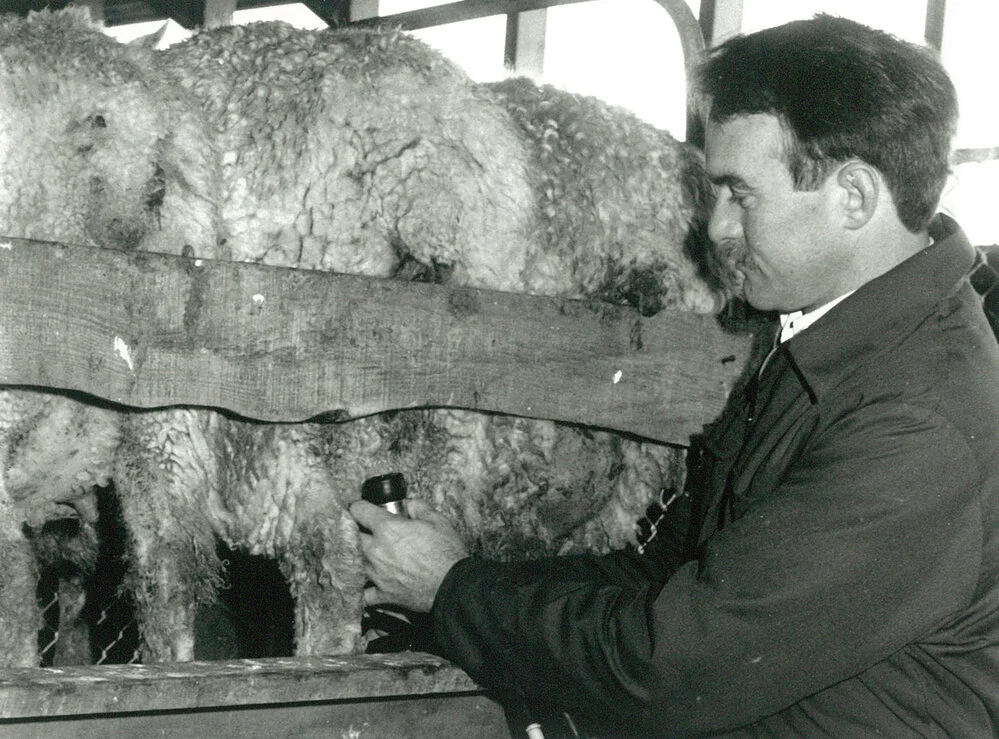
247, 683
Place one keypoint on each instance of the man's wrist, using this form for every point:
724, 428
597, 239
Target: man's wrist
445, 585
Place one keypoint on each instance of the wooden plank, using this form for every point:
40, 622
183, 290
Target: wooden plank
111, 689
147, 330
446, 716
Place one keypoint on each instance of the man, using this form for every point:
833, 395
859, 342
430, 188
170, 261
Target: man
834, 568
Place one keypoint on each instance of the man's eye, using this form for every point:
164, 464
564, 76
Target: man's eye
739, 198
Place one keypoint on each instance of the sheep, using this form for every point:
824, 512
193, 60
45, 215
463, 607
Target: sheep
620, 202
351, 151
66, 176
414, 136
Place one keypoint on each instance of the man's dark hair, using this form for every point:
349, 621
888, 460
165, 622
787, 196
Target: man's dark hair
843, 91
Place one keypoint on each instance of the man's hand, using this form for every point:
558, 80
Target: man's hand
406, 558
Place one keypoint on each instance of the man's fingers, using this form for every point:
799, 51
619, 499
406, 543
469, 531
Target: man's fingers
417, 508
368, 514
423, 511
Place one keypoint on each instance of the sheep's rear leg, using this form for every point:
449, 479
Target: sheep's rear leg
20, 617
166, 610
169, 577
327, 583
173, 563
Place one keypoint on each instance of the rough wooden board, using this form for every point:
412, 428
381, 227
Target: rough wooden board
65, 691
433, 717
149, 330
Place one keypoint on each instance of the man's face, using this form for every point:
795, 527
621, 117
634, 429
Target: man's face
784, 246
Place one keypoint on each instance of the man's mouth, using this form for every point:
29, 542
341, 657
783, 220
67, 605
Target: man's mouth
735, 261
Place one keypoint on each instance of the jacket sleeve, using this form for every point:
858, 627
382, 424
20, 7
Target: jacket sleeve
871, 540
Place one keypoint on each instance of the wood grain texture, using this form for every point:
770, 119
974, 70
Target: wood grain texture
382, 718
149, 330
113, 689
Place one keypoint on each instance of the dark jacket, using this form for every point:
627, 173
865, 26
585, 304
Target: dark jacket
842, 573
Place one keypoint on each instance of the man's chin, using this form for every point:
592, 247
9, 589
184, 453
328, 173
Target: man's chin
756, 298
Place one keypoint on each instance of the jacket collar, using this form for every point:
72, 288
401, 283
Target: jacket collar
883, 310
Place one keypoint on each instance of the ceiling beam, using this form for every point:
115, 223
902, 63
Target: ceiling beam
459, 11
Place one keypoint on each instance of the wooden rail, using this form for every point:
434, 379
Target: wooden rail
148, 330
65, 691
400, 695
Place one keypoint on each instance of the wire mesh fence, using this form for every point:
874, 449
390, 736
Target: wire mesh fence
985, 278
89, 616
77, 629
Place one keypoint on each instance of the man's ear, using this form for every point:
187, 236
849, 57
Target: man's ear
860, 188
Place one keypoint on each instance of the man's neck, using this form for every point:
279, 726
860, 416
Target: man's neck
879, 247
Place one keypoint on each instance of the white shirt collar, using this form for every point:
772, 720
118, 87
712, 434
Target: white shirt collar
798, 321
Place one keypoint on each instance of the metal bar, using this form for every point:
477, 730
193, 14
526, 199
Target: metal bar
692, 44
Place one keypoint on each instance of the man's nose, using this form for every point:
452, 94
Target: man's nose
725, 223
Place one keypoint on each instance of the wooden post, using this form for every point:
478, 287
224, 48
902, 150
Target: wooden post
218, 13
361, 9
525, 42
720, 19
936, 11
96, 8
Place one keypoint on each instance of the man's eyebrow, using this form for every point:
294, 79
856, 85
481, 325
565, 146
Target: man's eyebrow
731, 181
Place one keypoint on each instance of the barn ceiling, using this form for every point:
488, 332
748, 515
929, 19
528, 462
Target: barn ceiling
193, 13
188, 13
